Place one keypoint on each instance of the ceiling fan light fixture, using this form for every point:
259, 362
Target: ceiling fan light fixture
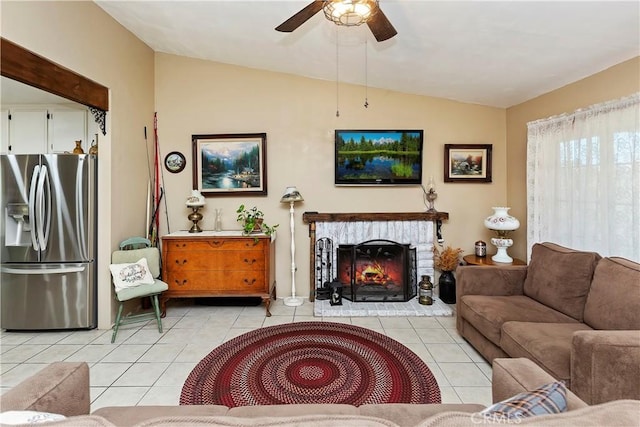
349, 12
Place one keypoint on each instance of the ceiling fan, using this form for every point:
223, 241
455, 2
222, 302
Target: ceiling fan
345, 12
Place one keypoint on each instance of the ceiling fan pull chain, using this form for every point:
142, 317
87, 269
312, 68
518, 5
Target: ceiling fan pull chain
366, 75
337, 77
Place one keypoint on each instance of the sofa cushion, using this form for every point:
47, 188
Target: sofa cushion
616, 413
410, 414
78, 421
124, 416
299, 421
28, 417
292, 410
547, 399
547, 344
614, 298
560, 277
488, 313
60, 385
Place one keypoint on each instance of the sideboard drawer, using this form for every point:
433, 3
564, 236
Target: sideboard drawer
217, 244
241, 281
215, 260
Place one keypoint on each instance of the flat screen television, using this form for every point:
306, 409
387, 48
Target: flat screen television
378, 157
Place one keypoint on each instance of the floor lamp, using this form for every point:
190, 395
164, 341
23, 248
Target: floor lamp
292, 195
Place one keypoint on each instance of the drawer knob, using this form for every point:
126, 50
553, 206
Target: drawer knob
250, 262
179, 262
249, 282
181, 282
181, 245
216, 243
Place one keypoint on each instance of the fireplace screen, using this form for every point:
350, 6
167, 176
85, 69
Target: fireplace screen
377, 271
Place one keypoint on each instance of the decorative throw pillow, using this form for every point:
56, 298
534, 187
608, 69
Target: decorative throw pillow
549, 399
131, 274
28, 417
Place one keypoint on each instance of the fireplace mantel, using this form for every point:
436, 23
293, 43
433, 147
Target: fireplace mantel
312, 218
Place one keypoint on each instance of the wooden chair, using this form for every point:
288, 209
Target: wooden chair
152, 256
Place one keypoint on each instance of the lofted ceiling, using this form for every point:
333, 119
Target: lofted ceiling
497, 53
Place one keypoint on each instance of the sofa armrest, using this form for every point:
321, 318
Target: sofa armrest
605, 365
490, 280
513, 376
60, 388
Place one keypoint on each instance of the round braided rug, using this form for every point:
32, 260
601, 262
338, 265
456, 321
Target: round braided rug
310, 362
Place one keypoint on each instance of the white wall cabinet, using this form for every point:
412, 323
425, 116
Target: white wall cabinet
42, 130
4, 131
27, 131
65, 127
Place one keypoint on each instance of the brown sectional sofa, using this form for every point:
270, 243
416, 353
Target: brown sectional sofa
63, 388
574, 313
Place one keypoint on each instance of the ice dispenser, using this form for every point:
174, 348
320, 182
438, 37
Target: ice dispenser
18, 228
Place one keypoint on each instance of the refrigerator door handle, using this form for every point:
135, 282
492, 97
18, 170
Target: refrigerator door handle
44, 207
32, 207
62, 270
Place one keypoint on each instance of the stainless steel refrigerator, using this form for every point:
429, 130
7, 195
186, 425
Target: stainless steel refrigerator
48, 226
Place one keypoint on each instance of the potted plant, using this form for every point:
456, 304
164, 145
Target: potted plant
252, 221
447, 261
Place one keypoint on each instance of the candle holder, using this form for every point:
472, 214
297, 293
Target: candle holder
431, 197
195, 216
425, 291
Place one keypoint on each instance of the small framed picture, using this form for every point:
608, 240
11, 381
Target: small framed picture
467, 162
175, 162
230, 164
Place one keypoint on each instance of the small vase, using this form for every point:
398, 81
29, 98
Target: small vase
93, 150
218, 223
447, 285
78, 149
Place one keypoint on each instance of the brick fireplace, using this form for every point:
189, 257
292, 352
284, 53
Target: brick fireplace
412, 230
377, 271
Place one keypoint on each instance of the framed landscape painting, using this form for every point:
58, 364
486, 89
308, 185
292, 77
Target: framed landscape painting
467, 162
230, 164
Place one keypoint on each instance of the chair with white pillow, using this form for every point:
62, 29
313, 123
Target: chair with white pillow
135, 275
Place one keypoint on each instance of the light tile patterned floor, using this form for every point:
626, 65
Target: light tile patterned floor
144, 367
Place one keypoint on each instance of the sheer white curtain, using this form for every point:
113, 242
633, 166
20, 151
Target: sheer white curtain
583, 179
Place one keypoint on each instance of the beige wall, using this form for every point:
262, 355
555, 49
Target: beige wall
616, 82
83, 38
298, 115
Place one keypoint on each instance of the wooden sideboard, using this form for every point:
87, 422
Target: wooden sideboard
218, 264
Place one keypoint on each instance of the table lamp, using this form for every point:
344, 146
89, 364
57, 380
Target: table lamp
291, 196
502, 223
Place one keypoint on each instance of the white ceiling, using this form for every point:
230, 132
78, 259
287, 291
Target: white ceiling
497, 53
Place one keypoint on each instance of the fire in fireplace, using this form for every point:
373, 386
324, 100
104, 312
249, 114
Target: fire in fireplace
377, 271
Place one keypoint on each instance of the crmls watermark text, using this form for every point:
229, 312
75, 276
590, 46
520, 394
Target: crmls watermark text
495, 418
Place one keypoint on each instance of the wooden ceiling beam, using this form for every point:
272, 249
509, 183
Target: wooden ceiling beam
20, 64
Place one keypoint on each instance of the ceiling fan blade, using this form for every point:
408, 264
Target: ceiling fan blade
380, 26
301, 17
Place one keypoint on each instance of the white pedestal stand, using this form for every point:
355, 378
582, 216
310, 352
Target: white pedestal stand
293, 301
